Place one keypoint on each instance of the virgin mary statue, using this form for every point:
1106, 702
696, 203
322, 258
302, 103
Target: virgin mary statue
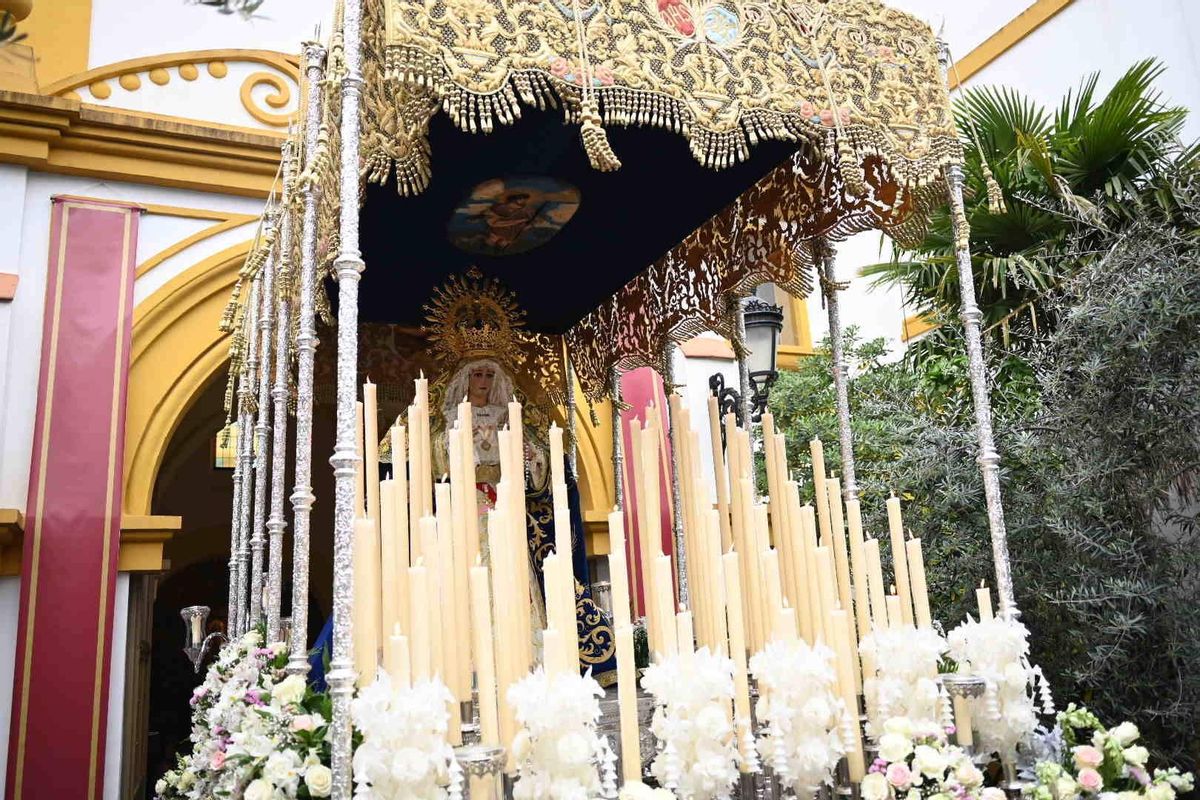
483, 375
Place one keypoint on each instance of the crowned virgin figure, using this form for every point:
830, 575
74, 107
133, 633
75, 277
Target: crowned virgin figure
476, 332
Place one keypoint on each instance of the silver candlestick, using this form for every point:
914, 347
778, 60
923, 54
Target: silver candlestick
197, 644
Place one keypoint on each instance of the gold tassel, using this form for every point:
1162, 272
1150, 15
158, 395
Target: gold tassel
595, 139
851, 167
996, 204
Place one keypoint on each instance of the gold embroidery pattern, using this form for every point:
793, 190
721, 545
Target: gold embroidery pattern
597, 644
723, 73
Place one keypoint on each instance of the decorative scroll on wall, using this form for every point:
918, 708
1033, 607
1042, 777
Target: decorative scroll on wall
723, 73
764, 236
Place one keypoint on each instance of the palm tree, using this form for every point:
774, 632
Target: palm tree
1096, 162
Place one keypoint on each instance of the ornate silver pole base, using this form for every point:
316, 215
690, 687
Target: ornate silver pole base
483, 766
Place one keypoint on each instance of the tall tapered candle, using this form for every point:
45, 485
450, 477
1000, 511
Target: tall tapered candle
771, 585
664, 588
421, 647
484, 656
983, 596
799, 556
826, 576
817, 450
618, 569
401, 531
875, 584
416, 483
785, 624
396, 659
466, 425
422, 443
366, 601
371, 441
900, 558
920, 592
719, 472
808, 532
454, 596
388, 561
631, 761
894, 614
685, 634
837, 530
360, 506
737, 636
858, 567
552, 650
431, 554
840, 622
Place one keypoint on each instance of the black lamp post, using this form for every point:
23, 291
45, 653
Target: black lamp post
764, 322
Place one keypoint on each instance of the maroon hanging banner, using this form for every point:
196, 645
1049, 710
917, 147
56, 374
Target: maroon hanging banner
73, 512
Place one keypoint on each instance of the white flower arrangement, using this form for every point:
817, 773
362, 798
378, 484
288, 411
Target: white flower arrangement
801, 712
997, 650
256, 731
906, 661
698, 747
915, 762
557, 749
404, 754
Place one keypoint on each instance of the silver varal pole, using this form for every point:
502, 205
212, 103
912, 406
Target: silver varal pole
841, 380
673, 435
262, 429
349, 267
739, 346
306, 346
971, 316
617, 445
235, 524
246, 387
277, 522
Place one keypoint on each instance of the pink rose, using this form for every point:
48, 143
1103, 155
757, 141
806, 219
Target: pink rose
807, 110
1090, 780
845, 115
885, 52
1087, 756
899, 775
303, 722
826, 117
604, 75
218, 759
559, 67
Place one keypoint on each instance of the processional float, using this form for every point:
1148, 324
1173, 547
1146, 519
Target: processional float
806, 122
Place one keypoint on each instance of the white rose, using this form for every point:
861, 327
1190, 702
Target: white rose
894, 747
280, 769
186, 779
1126, 733
968, 775
928, 761
1065, 788
259, 790
160, 786
319, 780
1160, 791
288, 691
992, 793
303, 722
1136, 755
874, 787
251, 639
900, 725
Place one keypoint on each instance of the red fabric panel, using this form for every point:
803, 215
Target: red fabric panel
73, 514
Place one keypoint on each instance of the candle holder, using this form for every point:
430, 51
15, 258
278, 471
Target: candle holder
469, 715
747, 786
196, 644
844, 787
483, 765
1012, 784
963, 687
285, 629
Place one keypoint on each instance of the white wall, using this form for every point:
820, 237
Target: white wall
26, 226
124, 29
10, 604
116, 690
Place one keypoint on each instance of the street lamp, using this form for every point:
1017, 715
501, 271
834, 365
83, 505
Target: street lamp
763, 323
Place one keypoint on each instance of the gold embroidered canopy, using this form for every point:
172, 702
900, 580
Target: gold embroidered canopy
802, 119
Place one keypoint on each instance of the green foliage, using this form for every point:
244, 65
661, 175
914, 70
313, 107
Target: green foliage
1094, 158
1099, 429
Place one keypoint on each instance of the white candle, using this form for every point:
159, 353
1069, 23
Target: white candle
485, 657
388, 561
737, 637
983, 596
875, 584
371, 434
400, 532
552, 652
685, 634
618, 569
431, 555
818, 467
894, 613
421, 650
366, 601
631, 760
396, 659
920, 592
900, 558
360, 508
